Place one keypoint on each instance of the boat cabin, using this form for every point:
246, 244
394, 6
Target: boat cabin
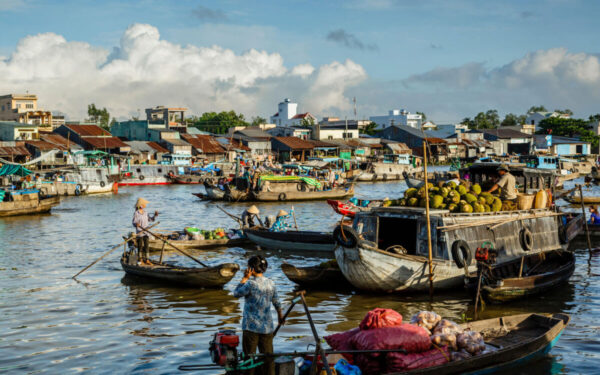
403, 159
529, 180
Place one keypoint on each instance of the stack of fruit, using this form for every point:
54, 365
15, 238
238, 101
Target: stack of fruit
216, 234
455, 198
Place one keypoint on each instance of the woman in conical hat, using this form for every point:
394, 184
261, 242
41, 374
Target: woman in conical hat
140, 221
249, 215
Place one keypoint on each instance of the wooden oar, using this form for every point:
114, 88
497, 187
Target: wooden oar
294, 216
108, 252
239, 220
174, 247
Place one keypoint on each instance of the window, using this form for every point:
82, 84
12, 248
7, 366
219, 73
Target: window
579, 149
159, 170
139, 170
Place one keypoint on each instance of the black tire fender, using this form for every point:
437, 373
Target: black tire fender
78, 190
300, 186
43, 193
282, 197
141, 177
374, 176
102, 184
385, 177
526, 238
461, 253
346, 238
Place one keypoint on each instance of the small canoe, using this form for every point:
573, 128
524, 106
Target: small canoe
350, 209
316, 277
206, 277
157, 245
540, 272
513, 341
335, 193
292, 240
33, 204
187, 179
214, 193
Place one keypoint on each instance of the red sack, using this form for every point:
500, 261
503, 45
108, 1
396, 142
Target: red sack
396, 362
413, 339
342, 341
369, 365
379, 318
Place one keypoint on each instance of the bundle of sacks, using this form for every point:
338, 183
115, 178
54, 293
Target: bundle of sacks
427, 341
455, 198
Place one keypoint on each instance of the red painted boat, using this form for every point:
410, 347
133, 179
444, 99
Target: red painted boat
351, 207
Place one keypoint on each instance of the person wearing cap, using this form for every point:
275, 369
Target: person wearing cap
280, 224
507, 182
249, 215
140, 221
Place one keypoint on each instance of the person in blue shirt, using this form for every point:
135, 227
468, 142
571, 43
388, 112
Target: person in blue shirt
280, 224
594, 215
259, 293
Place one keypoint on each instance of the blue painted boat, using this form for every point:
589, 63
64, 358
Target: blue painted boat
512, 341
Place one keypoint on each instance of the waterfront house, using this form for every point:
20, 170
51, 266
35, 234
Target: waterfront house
288, 148
508, 141
205, 147
324, 132
23, 108
291, 131
558, 145
146, 152
14, 151
17, 131
92, 137
534, 118
411, 136
287, 115
397, 117
167, 117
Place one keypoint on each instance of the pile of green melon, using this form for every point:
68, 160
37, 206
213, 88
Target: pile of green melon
455, 198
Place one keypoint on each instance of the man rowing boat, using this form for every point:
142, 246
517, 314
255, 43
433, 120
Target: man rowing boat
140, 220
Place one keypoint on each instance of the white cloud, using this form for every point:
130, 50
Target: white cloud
145, 71
12, 4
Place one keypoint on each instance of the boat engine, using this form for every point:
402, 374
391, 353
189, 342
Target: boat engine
223, 348
486, 253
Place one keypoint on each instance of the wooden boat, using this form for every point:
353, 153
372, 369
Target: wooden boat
188, 179
391, 168
291, 240
434, 178
214, 193
350, 209
576, 199
513, 341
376, 255
149, 175
509, 280
206, 277
27, 202
316, 276
335, 193
594, 232
157, 245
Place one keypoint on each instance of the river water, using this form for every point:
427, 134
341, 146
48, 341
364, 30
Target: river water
107, 323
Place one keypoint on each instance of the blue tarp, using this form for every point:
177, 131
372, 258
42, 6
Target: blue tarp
9, 170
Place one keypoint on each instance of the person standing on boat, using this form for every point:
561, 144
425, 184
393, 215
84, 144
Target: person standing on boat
507, 182
140, 220
280, 224
259, 293
594, 215
249, 215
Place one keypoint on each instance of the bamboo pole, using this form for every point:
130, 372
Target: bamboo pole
174, 247
587, 229
294, 216
428, 219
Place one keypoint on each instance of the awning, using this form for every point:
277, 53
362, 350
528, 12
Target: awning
9, 170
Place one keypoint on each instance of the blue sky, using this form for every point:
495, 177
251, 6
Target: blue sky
410, 50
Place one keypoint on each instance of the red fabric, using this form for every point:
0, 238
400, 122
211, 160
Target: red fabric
342, 341
412, 361
379, 318
413, 339
369, 365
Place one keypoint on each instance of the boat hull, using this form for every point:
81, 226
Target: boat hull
157, 245
32, 207
292, 240
267, 196
207, 277
316, 277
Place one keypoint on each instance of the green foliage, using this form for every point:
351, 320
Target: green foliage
595, 118
539, 108
99, 116
370, 129
483, 120
564, 111
568, 127
423, 115
307, 122
513, 120
218, 122
257, 120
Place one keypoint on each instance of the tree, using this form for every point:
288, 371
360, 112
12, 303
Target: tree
595, 118
99, 116
423, 116
539, 108
564, 111
483, 120
257, 120
219, 122
467, 121
307, 122
369, 129
568, 127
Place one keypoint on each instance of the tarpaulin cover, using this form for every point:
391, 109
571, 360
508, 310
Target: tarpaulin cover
308, 180
9, 170
397, 362
379, 318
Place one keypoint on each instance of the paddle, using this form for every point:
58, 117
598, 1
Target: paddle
294, 216
174, 247
108, 252
239, 220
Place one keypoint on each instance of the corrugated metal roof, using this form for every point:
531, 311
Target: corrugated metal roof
105, 142
176, 142
46, 146
205, 144
88, 130
506, 133
295, 143
434, 140
158, 147
14, 151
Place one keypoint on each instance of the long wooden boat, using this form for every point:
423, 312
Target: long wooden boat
214, 193
27, 203
207, 277
515, 341
188, 179
576, 198
292, 240
149, 175
157, 245
350, 209
335, 193
386, 250
509, 280
594, 232
316, 276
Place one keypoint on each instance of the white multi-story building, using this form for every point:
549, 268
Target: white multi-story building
534, 118
287, 115
398, 117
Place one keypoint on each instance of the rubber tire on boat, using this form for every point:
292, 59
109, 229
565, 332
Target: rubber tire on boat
102, 184
141, 177
189, 180
301, 187
78, 189
282, 197
526, 238
463, 247
384, 177
374, 176
43, 193
350, 234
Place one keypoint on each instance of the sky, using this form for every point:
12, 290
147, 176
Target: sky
449, 59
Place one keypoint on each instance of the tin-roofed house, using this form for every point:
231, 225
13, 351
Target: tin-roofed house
288, 148
92, 137
205, 147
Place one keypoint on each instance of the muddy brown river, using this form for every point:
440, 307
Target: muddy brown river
109, 323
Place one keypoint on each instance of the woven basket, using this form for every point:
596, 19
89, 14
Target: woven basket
525, 201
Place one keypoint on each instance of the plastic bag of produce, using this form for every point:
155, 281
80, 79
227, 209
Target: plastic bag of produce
460, 355
426, 319
446, 326
412, 361
413, 339
445, 339
379, 318
342, 367
470, 341
342, 341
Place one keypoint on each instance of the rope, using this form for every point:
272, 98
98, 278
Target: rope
38, 159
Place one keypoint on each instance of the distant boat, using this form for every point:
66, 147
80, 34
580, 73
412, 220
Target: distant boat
291, 240
25, 202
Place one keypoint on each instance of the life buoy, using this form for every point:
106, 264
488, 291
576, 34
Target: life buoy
102, 184
141, 177
465, 257
346, 238
282, 196
526, 238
